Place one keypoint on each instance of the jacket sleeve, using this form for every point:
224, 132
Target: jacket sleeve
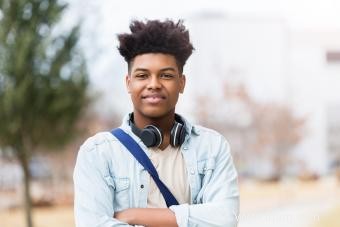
93, 201
219, 205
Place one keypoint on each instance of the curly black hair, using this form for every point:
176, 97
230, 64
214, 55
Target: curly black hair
154, 36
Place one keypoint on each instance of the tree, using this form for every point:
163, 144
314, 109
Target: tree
43, 81
256, 130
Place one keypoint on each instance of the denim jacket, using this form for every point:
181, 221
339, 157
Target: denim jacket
107, 178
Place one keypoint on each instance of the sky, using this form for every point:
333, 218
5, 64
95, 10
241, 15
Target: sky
103, 19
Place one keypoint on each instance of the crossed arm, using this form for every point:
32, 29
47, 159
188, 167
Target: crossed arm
151, 217
92, 200
218, 206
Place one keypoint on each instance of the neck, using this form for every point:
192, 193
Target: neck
165, 122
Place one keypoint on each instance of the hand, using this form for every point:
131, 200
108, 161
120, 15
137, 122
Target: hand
125, 216
147, 217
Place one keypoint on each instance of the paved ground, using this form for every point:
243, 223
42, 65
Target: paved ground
297, 214
289, 203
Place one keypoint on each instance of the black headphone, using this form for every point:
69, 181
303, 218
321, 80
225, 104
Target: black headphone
153, 136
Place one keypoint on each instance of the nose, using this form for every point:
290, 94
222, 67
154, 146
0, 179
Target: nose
154, 83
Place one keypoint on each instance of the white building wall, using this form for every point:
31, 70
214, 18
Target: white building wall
316, 86
237, 49
275, 62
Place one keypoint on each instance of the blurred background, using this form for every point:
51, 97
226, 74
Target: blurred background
264, 73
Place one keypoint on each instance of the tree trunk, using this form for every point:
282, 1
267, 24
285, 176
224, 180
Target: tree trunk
277, 161
24, 160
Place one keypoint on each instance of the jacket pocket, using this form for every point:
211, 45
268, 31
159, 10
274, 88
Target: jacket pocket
205, 169
121, 184
121, 192
205, 166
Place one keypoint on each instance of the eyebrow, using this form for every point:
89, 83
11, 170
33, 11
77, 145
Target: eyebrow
140, 69
168, 68
163, 69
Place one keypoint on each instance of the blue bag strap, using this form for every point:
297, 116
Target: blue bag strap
144, 160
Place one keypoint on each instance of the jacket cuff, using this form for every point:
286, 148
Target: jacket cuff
181, 213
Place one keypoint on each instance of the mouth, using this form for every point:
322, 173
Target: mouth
154, 98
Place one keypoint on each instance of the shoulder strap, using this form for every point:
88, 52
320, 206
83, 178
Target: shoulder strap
144, 160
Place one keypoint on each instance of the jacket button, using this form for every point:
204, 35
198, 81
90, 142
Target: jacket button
142, 186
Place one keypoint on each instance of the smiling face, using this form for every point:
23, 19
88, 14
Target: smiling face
154, 83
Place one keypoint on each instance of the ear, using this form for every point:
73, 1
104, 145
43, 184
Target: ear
182, 83
127, 83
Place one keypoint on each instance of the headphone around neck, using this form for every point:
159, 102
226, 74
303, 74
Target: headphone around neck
152, 136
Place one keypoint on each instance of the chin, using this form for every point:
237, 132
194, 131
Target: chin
155, 113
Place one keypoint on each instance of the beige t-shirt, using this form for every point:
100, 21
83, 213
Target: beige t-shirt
171, 169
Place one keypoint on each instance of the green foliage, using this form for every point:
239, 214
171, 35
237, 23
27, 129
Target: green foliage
43, 78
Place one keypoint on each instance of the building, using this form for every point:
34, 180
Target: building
299, 68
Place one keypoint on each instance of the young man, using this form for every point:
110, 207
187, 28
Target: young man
113, 189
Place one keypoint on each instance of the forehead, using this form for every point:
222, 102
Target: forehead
153, 61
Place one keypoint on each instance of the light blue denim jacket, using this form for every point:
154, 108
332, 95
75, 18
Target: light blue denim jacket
107, 178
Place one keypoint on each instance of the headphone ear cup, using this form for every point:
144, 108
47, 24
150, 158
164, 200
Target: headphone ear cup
181, 135
177, 134
151, 136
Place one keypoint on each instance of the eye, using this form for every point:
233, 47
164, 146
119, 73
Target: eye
141, 76
167, 76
